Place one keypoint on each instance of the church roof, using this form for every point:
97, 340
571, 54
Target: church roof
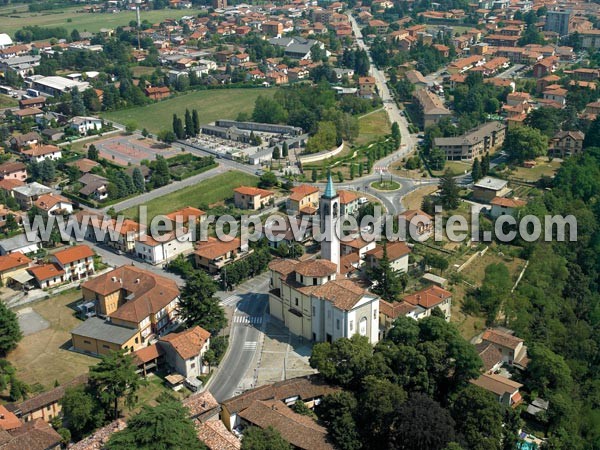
330, 189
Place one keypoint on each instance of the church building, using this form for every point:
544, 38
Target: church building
313, 299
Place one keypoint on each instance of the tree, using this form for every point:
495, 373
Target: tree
160, 173
396, 134
11, 223
81, 411
267, 180
178, 127
421, 424
524, 143
476, 170
198, 304
494, 290
10, 332
389, 282
314, 177
276, 154
485, 165
138, 180
547, 370
189, 124
77, 105
93, 153
592, 137
268, 110
130, 127
545, 119
165, 426
345, 361
112, 379
478, 417
449, 191
337, 412
284, 149
264, 439
75, 36
437, 158
196, 121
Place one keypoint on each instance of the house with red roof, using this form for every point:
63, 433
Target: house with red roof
77, 262
248, 197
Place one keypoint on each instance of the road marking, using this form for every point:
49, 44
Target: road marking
231, 300
254, 320
250, 346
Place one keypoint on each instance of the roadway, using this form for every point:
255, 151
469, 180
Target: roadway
237, 370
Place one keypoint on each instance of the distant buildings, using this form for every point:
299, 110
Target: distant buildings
558, 21
431, 107
485, 138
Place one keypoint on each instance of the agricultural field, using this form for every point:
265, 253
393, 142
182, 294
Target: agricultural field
211, 105
43, 356
372, 126
70, 19
7, 102
209, 192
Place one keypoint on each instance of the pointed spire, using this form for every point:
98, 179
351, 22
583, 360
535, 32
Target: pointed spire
329, 190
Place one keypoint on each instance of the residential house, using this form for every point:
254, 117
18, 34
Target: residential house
157, 93
418, 224
348, 202
247, 197
8, 420
27, 194
77, 262
21, 141
416, 78
486, 189
380, 26
53, 134
44, 406
188, 216
556, 94
134, 298
35, 435
272, 28
128, 234
84, 124
97, 336
504, 389
505, 206
251, 407
314, 303
367, 88
20, 244
304, 199
431, 107
511, 349
159, 250
13, 171
284, 232
477, 142
357, 245
564, 143
185, 351
95, 187
28, 113
40, 153
213, 254
33, 102
47, 275
13, 265
53, 204
397, 253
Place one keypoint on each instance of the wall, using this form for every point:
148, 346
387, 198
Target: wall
305, 159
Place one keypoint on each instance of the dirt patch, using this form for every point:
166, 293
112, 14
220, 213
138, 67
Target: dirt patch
414, 199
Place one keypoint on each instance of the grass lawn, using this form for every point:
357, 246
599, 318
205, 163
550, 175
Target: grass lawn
414, 200
211, 105
372, 126
208, 192
473, 274
386, 185
147, 394
543, 167
43, 357
456, 168
70, 19
7, 102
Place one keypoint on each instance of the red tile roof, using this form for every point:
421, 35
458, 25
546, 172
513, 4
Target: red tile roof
252, 191
395, 250
188, 343
8, 420
146, 354
428, 297
12, 261
213, 248
299, 192
508, 202
316, 268
72, 254
46, 271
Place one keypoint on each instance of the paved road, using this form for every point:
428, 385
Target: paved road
235, 372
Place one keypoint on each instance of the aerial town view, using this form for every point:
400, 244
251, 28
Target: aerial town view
299, 224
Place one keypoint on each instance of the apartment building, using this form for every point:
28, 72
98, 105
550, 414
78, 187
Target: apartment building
485, 138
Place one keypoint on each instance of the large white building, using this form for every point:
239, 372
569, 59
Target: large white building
313, 299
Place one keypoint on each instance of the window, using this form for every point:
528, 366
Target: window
86, 342
362, 326
374, 314
351, 325
48, 408
137, 340
296, 301
329, 314
337, 324
314, 311
193, 365
314, 281
105, 346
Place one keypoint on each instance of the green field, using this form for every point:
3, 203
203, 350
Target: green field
7, 102
92, 22
211, 105
208, 192
372, 126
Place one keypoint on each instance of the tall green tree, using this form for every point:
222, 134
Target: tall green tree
138, 180
92, 153
178, 127
284, 150
524, 143
189, 124
196, 121
449, 191
198, 304
264, 439
476, 170
389, 281
396, 136
337, 412
10, 332
81, 411
114, 379
276, 153
165, 426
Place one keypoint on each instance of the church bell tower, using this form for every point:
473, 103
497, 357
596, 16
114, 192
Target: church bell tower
330, 215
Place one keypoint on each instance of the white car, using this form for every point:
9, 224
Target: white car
363, 200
